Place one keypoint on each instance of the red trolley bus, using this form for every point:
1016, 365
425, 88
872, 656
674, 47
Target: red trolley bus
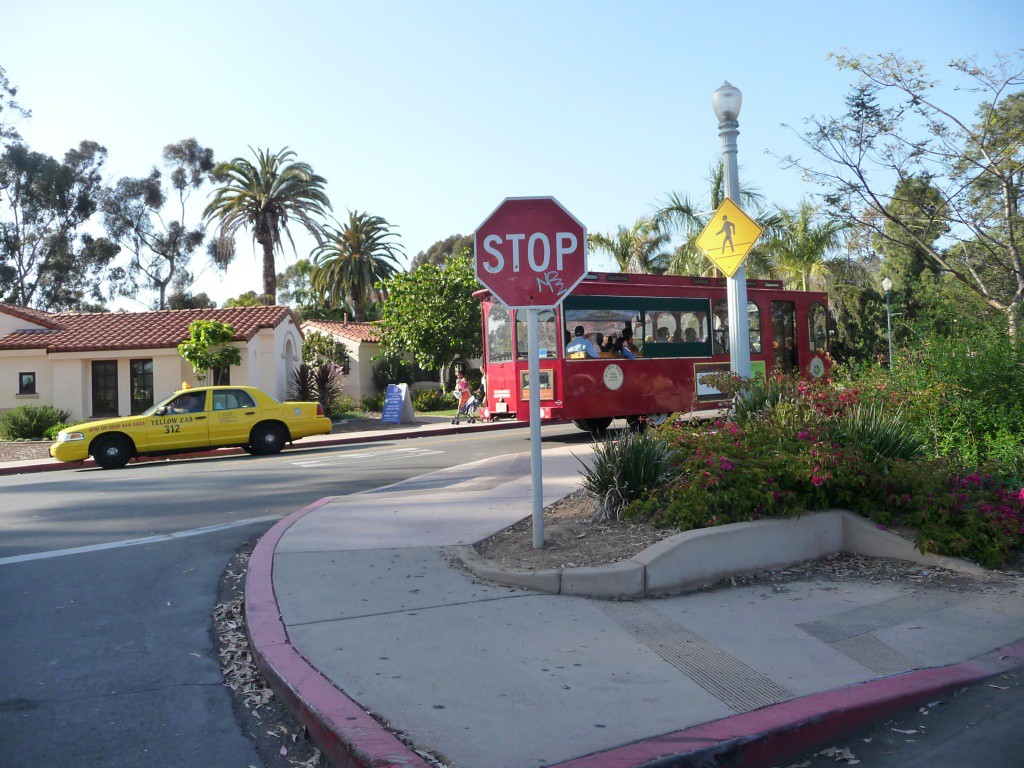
679, 324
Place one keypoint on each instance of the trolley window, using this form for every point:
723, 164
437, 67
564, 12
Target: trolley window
720, 320
661, 327
499, 334
817, 325
548, 337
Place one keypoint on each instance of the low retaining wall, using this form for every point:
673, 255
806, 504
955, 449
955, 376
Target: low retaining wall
698, 558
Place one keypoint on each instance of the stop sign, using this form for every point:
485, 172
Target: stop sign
530, 252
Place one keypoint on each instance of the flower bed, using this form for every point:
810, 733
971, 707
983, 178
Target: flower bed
811, 447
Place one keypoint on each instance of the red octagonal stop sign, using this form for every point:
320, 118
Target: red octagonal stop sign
530, 252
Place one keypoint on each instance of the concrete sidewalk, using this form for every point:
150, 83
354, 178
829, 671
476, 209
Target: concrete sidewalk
424, 426
358, 604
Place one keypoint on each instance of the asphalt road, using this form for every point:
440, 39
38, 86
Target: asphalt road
108, 640
975, 726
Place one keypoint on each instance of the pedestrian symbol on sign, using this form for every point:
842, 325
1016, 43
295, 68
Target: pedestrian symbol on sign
728, 228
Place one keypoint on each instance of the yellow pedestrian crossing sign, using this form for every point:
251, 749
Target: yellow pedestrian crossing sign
728, 237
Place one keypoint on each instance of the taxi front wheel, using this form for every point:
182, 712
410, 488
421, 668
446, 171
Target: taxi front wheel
267, 439
113, 452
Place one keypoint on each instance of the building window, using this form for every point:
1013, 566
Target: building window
27, 383
142, 385
104, 388
221, 375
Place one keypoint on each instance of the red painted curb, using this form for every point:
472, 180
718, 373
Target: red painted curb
347, 735
777, 733
52, 466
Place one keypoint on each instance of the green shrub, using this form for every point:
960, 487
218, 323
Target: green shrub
426, 400
345, 404
959, 389
51, 432
301, 386
879, 434
326, 387
30, 422
374, 403
393, 370
624, 469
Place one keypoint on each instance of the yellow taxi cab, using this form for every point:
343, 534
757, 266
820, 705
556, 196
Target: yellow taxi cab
194, 419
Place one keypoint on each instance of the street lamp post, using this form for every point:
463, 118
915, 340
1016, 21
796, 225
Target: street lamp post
887, 287
727, 101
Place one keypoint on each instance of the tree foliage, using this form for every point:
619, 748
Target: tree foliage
640, 249
160, 241
802, 245
263, 198
439, 253
247, 299
431, 314
208, 347
11, 112
45, 259
897, 126
686, 216
354, 260
320, 347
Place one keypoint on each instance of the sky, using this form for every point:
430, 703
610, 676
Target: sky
430, 113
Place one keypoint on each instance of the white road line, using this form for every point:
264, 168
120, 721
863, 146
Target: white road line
136, 542
341, 458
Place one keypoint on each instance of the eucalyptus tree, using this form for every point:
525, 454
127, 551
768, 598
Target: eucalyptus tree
159, 237
641, 248
47, 258
687, 216
354, 260
263, 197
11, 112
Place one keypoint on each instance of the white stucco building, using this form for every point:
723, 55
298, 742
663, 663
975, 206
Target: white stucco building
105, 364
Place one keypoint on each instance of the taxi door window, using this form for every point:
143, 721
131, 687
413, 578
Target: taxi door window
193, 402
232, 399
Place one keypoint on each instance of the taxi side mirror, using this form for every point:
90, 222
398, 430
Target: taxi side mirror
161, 411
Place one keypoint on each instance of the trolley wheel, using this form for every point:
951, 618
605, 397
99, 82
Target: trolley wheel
596, 427
640, 423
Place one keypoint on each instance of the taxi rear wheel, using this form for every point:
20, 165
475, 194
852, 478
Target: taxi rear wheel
113, 452
267, 439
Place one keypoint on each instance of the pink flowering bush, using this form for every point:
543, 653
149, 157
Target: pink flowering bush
818, 447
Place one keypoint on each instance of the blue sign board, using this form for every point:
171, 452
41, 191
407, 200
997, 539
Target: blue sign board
395, 397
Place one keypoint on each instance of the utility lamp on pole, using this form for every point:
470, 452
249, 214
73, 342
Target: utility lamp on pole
727, 101
887, 287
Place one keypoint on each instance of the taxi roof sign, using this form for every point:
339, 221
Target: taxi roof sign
728, 237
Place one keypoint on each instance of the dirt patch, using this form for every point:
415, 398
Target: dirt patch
24, 450
572, 538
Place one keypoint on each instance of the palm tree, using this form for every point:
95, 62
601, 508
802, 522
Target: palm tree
638, 249
263, 197
802, 244
684, 215
352, 261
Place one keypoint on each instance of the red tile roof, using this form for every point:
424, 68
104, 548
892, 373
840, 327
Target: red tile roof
355, 331
36, 316
97, 331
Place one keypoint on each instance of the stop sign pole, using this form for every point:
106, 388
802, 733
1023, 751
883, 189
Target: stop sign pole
530, 253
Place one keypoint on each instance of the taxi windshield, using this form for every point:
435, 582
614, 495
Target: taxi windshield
154, 408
